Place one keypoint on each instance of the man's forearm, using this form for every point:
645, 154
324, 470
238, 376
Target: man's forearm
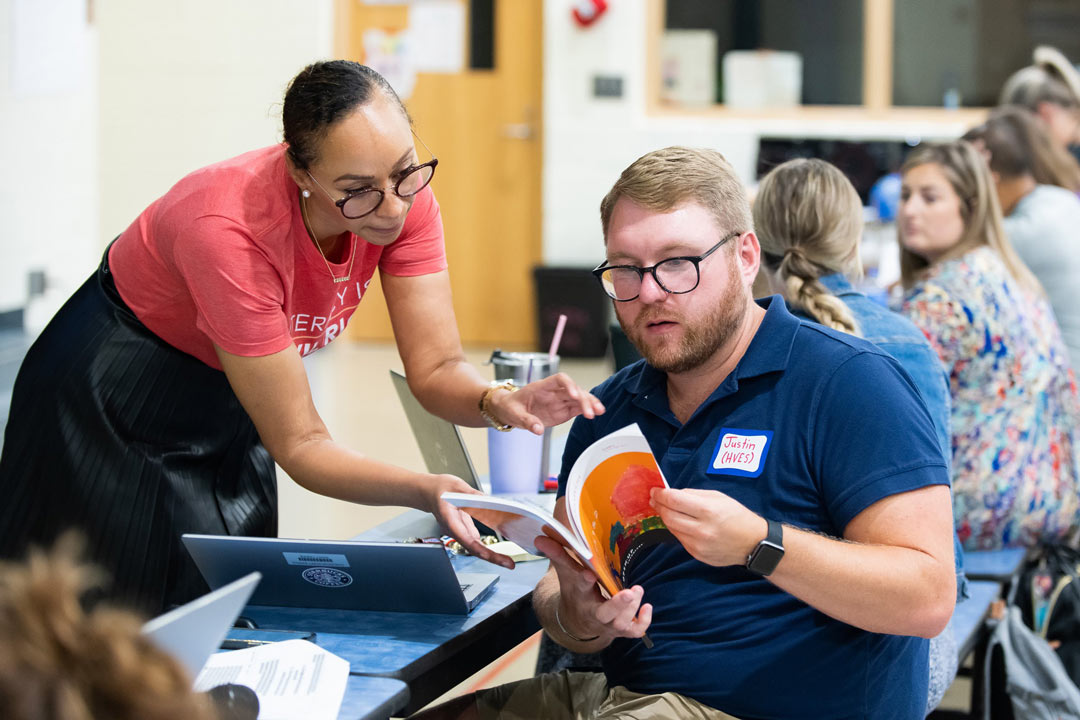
879, 588
546, 598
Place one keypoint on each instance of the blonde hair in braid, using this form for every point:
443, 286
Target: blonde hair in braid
802, 289
808, 218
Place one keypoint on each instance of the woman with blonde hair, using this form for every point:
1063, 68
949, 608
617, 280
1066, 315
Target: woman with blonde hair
1014, 400
809, 222
1050, 88
808, 218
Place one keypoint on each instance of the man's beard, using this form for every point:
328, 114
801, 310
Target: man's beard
701, 338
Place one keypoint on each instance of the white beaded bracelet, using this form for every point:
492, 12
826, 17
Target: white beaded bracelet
569, 634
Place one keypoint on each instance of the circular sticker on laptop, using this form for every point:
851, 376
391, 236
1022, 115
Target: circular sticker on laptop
327, 577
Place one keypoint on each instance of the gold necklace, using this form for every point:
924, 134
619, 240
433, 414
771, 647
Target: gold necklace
352, 253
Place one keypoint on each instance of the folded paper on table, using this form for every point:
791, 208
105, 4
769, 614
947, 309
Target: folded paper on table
291, 678
514, 551
607, 502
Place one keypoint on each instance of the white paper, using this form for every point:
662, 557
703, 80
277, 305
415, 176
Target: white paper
388, 54
519, 521
437, 36
292, 678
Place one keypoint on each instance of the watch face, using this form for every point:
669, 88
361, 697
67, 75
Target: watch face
765, 558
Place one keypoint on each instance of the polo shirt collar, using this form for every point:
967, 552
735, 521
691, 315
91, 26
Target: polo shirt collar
769, 350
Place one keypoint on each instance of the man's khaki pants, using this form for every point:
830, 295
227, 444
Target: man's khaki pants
585, 696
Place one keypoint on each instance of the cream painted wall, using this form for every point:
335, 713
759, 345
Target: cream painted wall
186, 84
48, 190
154, 91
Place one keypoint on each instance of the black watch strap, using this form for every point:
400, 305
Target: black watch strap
768, 553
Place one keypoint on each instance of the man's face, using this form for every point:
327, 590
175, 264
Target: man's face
677, 333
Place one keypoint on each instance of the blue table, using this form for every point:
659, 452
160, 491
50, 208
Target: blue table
969, 618
430, 653
972, 634
372, 698
1000, 565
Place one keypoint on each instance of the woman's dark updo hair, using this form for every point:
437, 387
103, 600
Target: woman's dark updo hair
319, 96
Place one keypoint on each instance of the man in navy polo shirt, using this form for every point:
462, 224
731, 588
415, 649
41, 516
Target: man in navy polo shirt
809, 496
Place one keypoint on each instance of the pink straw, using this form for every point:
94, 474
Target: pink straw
557, 337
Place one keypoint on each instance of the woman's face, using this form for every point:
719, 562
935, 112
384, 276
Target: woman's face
930, 220
1062, 123
370, 148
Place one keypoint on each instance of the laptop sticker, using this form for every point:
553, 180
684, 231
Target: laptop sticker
327, 577
325, 559
740, 452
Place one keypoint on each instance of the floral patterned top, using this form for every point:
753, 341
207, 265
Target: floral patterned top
1014, 402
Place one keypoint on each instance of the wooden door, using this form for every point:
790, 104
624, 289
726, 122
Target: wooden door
484, 126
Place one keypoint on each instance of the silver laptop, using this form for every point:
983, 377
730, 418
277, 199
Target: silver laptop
342, 575
444, 450
192, 632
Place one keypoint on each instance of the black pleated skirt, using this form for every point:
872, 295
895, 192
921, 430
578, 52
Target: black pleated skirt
116, 433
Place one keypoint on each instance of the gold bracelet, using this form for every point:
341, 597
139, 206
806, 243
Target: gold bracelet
569, 634
485, 404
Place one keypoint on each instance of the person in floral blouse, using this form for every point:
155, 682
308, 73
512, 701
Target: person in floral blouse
1014, 398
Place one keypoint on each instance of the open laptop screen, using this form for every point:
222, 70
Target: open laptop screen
440, 440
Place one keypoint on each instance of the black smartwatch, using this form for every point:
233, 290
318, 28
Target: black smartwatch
766, 556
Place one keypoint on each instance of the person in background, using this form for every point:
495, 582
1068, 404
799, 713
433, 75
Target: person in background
1050, 88
1014, 401
808, 218
811, 563
59, 662
1036, 184
158, 399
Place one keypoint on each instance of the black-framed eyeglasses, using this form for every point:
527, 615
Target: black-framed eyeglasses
675, 275
358, 203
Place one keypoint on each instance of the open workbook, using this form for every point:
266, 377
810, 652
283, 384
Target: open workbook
607, 502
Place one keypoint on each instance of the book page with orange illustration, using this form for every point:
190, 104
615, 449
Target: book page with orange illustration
608, 505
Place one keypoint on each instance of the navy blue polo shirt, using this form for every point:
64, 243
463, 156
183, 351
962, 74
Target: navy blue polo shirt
812, 427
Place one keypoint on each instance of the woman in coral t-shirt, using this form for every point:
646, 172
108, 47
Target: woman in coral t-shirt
157, 400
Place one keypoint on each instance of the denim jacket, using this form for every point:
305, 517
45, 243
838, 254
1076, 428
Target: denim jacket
900, 338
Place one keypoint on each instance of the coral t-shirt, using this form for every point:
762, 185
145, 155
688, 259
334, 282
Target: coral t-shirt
223, 258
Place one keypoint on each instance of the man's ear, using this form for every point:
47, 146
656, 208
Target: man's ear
748, 250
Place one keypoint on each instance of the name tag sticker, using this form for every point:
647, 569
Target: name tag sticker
740, 452
323, 559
